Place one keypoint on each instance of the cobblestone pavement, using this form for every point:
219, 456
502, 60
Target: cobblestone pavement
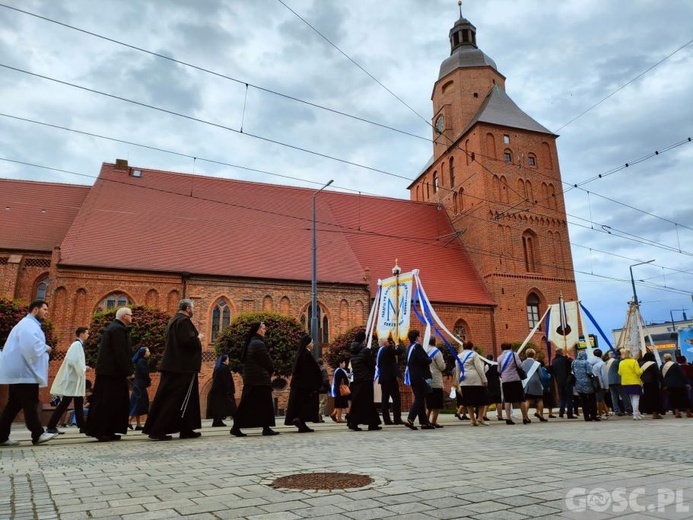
541, 470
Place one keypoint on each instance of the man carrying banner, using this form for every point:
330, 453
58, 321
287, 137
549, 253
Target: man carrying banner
387, 371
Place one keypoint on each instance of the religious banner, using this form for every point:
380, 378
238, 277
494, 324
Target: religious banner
686, 343
563, 329
394, 306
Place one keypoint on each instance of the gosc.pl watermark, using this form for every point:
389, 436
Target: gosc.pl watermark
621, 500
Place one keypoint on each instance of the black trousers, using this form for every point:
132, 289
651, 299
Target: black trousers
62, 406
390, 388
23, 397
418, 407
589, 406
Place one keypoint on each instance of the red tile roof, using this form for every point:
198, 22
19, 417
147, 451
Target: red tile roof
174, 222
35, 216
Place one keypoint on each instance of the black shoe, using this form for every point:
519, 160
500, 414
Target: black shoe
536, 414
129, 426
436, 425
388, 423
398, 422
236, 432
553, 416
374, 428
355, 427
457, 415
268, 432
509, 421
410, 425
189, 435
160, 437
427, 427
139, 428
486, 418
541, 419
219, 424
526, 421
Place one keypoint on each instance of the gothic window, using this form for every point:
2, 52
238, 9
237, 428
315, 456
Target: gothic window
418, 192
442, 173
461, 330
461, 199
522, 188
529, 244
497, 188
221, 317
532, 160
507, 156
455, 208
491, 146
114, 300
428, 191
532, 310
452, 172
506, 139
435, 182
323, 323
325, 331
42, 288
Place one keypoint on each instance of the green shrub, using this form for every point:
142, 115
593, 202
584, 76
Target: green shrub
148, 329
339, 348
282, 339
11, 312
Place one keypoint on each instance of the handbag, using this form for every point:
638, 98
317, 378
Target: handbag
344, 389
520, 371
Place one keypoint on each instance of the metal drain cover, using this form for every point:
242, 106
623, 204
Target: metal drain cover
322, 481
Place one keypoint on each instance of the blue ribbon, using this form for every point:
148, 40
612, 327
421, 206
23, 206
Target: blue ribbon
419, 299
548, 341
598, 327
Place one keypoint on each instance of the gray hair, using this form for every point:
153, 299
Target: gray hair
382, 341
122, 311
185, 303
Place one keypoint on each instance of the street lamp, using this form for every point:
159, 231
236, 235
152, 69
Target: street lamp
635, 296
314, 286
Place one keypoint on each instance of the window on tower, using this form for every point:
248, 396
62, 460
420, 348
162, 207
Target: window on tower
435, 182
532, 160
452, 172
506, 139
532, 310
507, 156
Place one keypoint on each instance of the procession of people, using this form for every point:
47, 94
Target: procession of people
604, 385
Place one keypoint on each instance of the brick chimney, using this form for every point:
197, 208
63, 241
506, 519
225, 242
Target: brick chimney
121, 164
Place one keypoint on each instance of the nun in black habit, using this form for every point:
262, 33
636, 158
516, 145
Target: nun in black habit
256, 408
221, 401
306, 380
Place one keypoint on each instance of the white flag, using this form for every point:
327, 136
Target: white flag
563, 328
395, 307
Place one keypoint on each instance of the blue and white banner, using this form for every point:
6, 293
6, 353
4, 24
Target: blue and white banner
686, 343
394, 307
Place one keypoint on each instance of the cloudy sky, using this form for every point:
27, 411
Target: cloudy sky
633, 59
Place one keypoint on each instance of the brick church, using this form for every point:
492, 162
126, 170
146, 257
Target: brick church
490, 263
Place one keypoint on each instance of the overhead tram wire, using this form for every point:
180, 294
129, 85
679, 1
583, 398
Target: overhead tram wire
457, 145
624, 86
202, 69
342, 228
179, 154
215, 73
355, 63
468, 213
204, 121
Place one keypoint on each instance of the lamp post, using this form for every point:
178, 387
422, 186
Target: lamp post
635, 295
314, 286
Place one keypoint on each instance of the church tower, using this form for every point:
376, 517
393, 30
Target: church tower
495, 171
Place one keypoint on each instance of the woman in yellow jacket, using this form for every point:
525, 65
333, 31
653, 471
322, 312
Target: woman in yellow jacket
630, 372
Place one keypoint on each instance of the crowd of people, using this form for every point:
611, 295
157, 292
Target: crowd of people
602, 385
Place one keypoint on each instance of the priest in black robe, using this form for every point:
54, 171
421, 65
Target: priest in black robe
176, 405
109, 407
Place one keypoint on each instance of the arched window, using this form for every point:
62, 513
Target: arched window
114, 300
507, 156
532, 310
529, 244
552, 196
461, 199
461, 330
455, 208
522, 188
42, 288
452, 172
428, 191
532, 160
221, 317
435, 182
418, 192
323, 323
505, 196
491, 146
530, 192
